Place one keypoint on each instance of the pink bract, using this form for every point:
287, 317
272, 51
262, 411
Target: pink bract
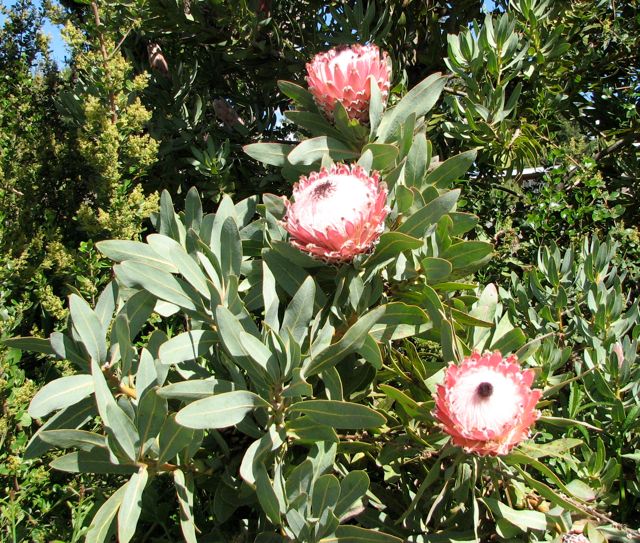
337, 213
486, 403
342, 75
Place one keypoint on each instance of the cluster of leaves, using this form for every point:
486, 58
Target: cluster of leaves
283, 356
577, 298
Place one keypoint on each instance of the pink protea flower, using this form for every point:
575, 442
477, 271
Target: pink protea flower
337, 213
342, 75
486, 403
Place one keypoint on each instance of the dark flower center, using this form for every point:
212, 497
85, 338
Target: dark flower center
323, 190
485, 390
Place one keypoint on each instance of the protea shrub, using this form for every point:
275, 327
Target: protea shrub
486, 403
337, 213
343, 75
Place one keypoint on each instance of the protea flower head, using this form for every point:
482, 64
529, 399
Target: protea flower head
486, 403
337, 213
342, 75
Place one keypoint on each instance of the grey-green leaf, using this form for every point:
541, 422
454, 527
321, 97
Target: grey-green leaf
67, 438
220, 411
187, 346
338, 414
312, 150
89, 328
131, 507
100, 525
94, 461
59, 394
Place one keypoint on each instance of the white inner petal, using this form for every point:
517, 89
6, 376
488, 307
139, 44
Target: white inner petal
332, 205
343, 60
479, 413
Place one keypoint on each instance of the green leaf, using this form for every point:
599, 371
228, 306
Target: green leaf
416, 225
523, 519
462, 222
89, 328
220, 411
289, 277
305, 430
138, 309
59, 394
391, 244
315, 123
355, 534
554, 448
410, 406
147, 374
150, 416
230, 248
352, 488
172, 439
435, 269
266, 494
400, 320
67, 438
35, 344
187, 346
312, 150
274, 154
417, 165
184, 491
468, 256
450, 170
376, 106
547, 492
295, 256
121, 429
339, 414
418, 101
299, 312
101, 523
186, 265
326, 492
120, 250
371, 352
484, 309
168, 222
384, 155
510, 342
196, 389
582, 490
94, 461
229, 329
161, 284
119, 426
131, 506
271, 300
298, 94
70, 418
352, 340
193, 209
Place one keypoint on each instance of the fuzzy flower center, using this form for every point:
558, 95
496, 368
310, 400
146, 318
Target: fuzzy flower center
485, 399
333, 202
485, 389
323, 190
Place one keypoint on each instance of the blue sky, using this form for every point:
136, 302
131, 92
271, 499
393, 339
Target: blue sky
59, 48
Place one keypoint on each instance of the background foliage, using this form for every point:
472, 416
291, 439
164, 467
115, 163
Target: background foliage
164, 95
